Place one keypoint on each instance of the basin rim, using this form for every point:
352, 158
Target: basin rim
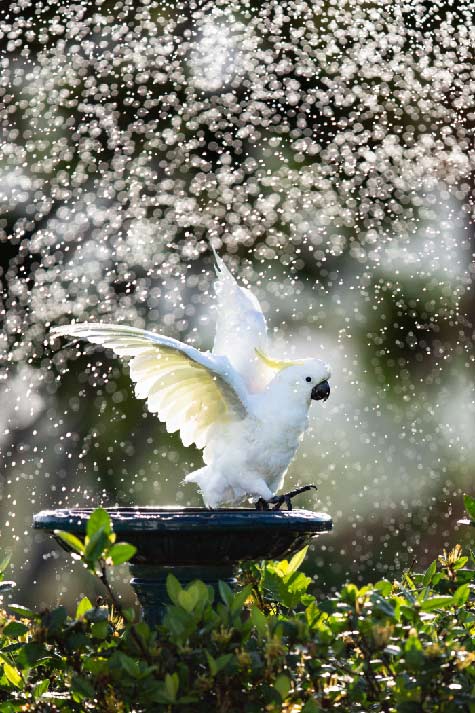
139, 519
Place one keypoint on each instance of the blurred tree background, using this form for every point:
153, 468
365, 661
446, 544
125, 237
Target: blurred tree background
326, 149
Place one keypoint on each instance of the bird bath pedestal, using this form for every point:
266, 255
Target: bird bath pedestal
193, 543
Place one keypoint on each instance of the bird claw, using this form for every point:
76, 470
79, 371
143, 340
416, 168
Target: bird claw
278, 500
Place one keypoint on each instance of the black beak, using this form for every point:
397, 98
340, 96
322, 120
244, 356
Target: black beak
321, 391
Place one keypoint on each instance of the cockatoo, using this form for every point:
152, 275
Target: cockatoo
247, 412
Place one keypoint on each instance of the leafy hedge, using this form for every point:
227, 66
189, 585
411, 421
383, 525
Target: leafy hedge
405, 646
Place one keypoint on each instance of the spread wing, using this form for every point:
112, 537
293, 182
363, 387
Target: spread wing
240, 328
189, 390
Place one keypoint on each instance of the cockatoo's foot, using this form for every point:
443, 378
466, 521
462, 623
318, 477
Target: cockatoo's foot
278, 500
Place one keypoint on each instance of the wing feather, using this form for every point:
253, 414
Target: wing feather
189, 390
240, 328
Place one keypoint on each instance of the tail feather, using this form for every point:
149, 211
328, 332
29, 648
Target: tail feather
198, 476
214, 488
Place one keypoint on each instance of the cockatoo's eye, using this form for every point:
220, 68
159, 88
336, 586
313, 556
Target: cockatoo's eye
308, 378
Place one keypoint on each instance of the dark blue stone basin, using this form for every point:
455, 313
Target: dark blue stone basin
193, 543
194, 536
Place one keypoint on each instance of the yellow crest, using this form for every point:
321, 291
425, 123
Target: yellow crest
277, 364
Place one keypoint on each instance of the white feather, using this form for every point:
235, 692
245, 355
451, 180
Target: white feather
175, 378
240, 328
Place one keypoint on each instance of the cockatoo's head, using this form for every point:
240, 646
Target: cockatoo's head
304, 380
309, 379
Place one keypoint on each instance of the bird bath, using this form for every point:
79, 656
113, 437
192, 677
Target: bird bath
193, 543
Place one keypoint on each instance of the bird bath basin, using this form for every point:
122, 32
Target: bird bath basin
193, 543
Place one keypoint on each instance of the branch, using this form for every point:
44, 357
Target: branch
118, 607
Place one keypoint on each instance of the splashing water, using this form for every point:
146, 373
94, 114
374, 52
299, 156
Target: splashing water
327, 149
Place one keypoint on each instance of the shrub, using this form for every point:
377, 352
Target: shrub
405, 646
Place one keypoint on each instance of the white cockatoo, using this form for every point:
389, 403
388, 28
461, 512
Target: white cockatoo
247, 412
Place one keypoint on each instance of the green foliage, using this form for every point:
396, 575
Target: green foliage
279, 585
406, 646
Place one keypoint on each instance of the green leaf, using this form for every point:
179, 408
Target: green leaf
172, 683
384, 587
32, 654
11, 674
282, 686
99, 519
82, 686
216, 665
173, 588
461, 594
98, 666
41, 688
195, 699
83, 606
96, 546
413, 652
72, 542
9, 707
127, 664
14, 629
239, 598
311, 707
286, 589
55, 619
213, 669
122, 552
22, 611
196, 593
461, 562
469, 503
143, 631
100, 630
128, 615
312, 614
297, 560
349, 594
298, 583
441, 602
225, 592
429, 573
178, 621
259, 620
223, 661
189, 598
465, 576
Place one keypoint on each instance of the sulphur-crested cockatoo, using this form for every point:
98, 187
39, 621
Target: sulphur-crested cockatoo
247, 412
